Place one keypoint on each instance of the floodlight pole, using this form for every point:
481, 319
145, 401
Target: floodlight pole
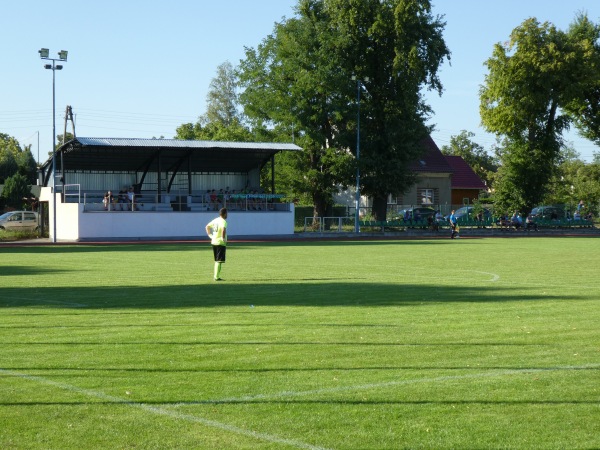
357, 199
54, 67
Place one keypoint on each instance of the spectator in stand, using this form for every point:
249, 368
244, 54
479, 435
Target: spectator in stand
214, 200
123, 200
577, 215
107, 200
131, 197
580, 206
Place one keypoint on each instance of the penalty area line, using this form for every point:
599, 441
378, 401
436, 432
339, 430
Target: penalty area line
163, 411
333, 390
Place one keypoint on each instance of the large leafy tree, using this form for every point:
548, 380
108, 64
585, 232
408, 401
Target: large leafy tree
14, 159
16, 190
292, 82
222, 120
398, 46
531, 78
575, 180
301, 77
585, 106
222, 98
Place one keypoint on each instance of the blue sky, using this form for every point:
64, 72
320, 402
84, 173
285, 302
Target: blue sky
142, 68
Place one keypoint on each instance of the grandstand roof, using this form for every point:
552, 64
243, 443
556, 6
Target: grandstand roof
128, 154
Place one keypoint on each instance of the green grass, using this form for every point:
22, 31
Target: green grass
476, 343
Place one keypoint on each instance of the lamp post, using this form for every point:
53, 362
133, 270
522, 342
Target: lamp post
62, 56
359, 86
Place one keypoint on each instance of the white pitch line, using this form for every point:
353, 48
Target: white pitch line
494, 276
163, 411
287, 394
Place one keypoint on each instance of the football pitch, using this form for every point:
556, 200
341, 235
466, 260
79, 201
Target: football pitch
474, 343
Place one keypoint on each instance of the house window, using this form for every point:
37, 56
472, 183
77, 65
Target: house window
392, 199
426, 196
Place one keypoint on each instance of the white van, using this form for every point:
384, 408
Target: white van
19, 221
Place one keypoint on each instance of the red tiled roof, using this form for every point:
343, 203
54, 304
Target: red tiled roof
432, 160
463, 176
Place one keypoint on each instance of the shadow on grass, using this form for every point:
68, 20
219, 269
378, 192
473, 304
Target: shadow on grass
11, 271
280, 294
162, 246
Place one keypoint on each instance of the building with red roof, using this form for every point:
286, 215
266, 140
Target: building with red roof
465, 184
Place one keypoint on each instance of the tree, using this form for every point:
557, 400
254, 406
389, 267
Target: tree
482, 163
397, 45
222, 98
14, 159
15, 190
8, 165
222, 121
585, 107
530, 79
215, 131
575, 180
292, 81
301, 75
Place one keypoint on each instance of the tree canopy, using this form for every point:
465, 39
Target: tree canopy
14, 159
531, 80
301, 77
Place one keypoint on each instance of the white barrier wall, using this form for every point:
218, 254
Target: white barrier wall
73, 224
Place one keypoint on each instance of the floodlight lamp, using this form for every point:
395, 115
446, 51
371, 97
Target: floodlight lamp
44, 52
48, 66
58, 67
62, 55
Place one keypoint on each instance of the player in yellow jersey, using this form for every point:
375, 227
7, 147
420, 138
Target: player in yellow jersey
217, 232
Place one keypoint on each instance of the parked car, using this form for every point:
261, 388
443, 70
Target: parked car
419, 213
19, 221
548, 212
469, 211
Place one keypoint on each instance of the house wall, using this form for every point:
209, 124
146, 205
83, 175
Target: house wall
458, 196
440, 182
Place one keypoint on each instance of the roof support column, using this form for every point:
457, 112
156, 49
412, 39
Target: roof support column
158, 178
273, 174
189, 173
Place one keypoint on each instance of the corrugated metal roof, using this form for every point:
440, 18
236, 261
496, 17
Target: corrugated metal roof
171, 155
178, 143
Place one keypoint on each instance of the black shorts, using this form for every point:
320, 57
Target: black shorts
219, 252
